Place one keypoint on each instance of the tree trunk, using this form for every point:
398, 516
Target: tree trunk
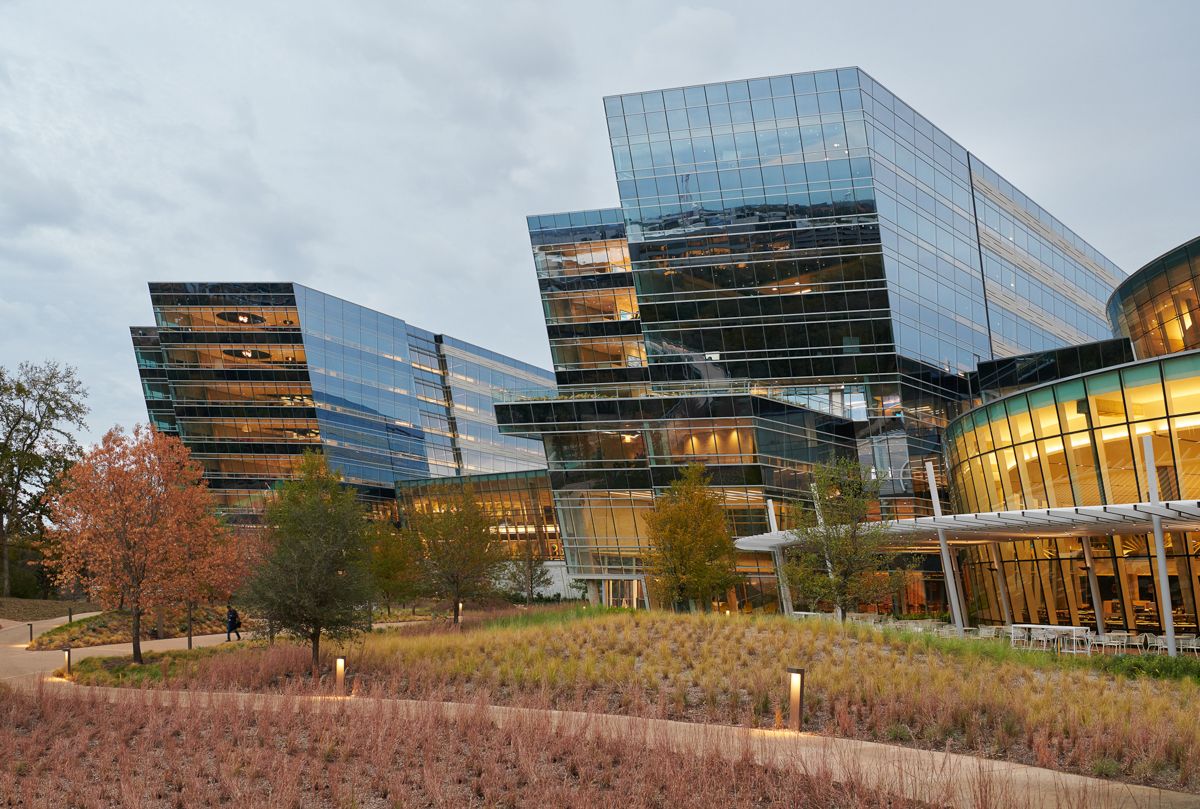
316, 657
270, 632
189, 624
137, 634
4, 554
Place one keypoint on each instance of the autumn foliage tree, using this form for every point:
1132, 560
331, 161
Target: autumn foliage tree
126, 518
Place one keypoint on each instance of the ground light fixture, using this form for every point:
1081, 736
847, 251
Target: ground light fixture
67, 659
31, 633
795, 698
340, 674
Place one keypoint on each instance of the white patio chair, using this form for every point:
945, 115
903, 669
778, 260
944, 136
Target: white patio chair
1041, 639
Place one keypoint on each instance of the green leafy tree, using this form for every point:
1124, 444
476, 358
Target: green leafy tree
842, 554
395, 563
40, 405
527, 573
315, 574
691, 557
461, 555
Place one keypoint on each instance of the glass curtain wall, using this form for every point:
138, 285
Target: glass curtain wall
1158, 308
1046, 582
519, 504
1079, 442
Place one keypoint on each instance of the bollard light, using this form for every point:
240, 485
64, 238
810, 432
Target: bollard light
31, 633
340, 673
67, 659
795, 698
726, 613
70, 614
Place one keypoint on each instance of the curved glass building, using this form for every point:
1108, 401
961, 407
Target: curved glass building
1076, 442
1081, 441
1157, 307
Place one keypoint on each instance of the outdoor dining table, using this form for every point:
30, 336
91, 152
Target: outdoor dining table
1065, 638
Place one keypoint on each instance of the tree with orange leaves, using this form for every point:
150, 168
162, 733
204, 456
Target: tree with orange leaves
133, 524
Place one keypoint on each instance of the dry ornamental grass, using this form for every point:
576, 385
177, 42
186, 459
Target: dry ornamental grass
68, 750
861, 684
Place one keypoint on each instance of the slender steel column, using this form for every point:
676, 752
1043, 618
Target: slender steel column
1160, 553
785, 590
1093, 585
1001, 582
947, 566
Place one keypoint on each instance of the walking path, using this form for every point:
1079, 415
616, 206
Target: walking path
938, 778
17, 663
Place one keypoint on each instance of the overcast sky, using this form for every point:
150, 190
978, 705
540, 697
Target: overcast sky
388, 152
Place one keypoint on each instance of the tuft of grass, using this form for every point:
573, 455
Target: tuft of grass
548, 615
159, 668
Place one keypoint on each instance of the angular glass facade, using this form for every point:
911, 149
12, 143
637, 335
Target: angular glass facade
808, 233
252, 375
608, 456
1158, 307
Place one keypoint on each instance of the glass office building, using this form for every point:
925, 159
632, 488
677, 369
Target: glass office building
810, 235
250, 375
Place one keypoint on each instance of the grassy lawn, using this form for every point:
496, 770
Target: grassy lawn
975, 697
69, 750
39, 609
117, 627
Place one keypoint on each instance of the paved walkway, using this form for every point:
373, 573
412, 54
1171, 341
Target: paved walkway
16, 663
942, 779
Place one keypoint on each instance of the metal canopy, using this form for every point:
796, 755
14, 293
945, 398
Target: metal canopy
966, 529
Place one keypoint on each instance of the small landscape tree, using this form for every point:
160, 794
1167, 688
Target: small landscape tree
691, 557
119, 517
842, 554
461, 555
314, 577
527, 572
395, 563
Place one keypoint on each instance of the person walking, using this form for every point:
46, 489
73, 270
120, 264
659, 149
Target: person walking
232, 623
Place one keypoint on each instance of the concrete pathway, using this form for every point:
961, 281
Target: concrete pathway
17, 663
942, 779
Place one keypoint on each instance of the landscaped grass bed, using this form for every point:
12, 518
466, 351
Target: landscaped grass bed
117, 627
39, 609
977, 697
67, 750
